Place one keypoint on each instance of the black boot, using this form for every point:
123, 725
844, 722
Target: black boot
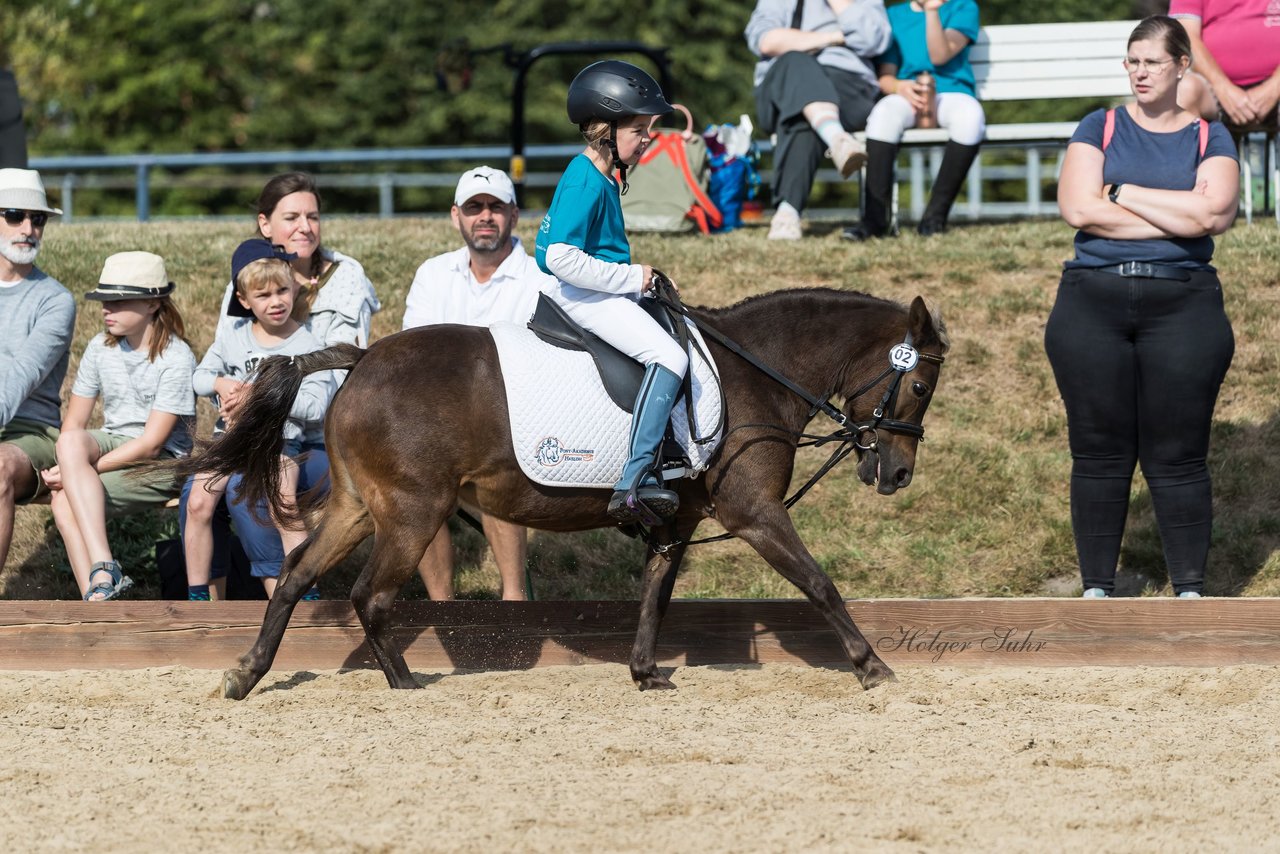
956, 160
882, 157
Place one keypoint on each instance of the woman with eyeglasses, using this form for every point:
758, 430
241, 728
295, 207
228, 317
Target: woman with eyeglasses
1138, 338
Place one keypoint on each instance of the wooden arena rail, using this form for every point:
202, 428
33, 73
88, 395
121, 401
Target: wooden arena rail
519, 635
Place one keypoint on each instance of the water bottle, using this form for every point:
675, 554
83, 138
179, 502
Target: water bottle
928, 117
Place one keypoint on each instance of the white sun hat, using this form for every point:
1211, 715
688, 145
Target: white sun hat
23, 190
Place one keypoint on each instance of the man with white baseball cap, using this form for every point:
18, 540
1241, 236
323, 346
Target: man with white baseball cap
491, 279
37, 321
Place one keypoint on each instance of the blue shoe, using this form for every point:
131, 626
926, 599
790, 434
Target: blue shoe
312, 595
1095, 593
1189, 594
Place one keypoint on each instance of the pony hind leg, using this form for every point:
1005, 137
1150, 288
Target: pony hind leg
344, 526
400, 543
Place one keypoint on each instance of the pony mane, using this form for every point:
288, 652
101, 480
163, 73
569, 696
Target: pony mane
808, 299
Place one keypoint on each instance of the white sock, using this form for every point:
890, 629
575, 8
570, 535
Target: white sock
785, 209
829, 129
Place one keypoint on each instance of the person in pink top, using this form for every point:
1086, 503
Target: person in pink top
1235, 46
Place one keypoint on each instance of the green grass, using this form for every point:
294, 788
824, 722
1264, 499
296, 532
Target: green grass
987, 513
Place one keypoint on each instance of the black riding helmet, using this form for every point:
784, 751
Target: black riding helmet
611, 90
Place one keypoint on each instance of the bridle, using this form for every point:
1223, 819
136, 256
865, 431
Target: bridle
903, 359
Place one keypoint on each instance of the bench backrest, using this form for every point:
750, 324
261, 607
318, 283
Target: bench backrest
1020, 61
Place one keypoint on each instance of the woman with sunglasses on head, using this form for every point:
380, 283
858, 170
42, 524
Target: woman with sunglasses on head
1138, 338
336, 305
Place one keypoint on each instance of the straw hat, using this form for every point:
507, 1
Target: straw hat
22, 189
132, 275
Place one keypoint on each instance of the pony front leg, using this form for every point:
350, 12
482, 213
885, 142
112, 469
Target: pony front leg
659, 580
773, 536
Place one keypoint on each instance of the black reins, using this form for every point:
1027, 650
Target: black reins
902, 360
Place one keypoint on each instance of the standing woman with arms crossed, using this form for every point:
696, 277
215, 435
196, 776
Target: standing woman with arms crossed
1138, 338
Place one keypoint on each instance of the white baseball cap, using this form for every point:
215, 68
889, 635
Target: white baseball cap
484, 180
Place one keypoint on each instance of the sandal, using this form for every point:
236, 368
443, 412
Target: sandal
119, 582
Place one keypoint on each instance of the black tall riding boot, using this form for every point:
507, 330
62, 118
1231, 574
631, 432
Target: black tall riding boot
882, 157
956, 160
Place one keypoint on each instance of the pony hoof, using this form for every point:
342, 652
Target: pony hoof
236, 685
654, 682
877, 675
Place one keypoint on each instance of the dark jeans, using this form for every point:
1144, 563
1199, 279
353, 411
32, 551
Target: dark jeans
13, 133
1139, 363
259, 537
794, 81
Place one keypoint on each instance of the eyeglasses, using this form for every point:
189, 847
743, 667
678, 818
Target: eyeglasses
1151, 66
13, 216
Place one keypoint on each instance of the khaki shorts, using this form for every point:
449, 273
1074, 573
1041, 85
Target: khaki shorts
39, 442
126, 493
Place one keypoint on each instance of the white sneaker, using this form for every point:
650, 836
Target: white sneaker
1095, 593
1189, 594
848, 154
785, 225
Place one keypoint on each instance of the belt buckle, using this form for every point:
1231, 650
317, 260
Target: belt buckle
1136, 269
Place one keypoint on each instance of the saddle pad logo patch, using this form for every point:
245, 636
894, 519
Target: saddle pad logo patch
551, 453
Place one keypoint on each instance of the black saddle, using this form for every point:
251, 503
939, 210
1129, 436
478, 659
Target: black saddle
620, 373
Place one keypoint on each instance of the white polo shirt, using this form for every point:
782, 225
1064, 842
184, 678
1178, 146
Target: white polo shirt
445, 290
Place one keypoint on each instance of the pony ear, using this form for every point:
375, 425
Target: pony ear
925, 328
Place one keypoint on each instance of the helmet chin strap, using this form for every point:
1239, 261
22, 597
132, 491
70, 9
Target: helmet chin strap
617, 161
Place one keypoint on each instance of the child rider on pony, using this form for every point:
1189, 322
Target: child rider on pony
582, 243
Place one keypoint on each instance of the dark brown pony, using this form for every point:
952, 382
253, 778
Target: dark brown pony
421, 424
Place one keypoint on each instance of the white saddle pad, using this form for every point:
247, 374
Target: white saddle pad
565, 428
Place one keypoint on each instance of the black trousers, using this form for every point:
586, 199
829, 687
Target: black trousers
13, 135
794, 81
1139, 363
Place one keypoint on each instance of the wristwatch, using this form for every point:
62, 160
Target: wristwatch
1114, 192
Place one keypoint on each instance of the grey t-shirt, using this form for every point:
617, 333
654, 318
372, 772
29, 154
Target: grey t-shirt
131, 386
235, 353
37, 321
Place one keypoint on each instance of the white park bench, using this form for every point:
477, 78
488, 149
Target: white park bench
1050, 61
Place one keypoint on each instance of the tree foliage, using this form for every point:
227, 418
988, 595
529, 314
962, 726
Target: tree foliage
160, 75
131, 76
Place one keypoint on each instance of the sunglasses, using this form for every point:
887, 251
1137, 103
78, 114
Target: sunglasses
13, 216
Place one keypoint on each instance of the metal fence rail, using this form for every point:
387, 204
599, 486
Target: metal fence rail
1034, 165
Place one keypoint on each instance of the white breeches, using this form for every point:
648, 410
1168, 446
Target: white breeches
626, 326
959, 113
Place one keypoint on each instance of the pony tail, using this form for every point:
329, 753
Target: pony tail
252, 445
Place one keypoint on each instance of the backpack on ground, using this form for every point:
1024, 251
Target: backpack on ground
668, 189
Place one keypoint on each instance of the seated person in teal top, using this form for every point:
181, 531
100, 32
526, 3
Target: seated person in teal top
582, 243
932, 36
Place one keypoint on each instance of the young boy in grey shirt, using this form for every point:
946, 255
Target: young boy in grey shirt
265, 287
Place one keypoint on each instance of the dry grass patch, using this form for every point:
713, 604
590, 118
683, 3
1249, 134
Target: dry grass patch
987, 512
